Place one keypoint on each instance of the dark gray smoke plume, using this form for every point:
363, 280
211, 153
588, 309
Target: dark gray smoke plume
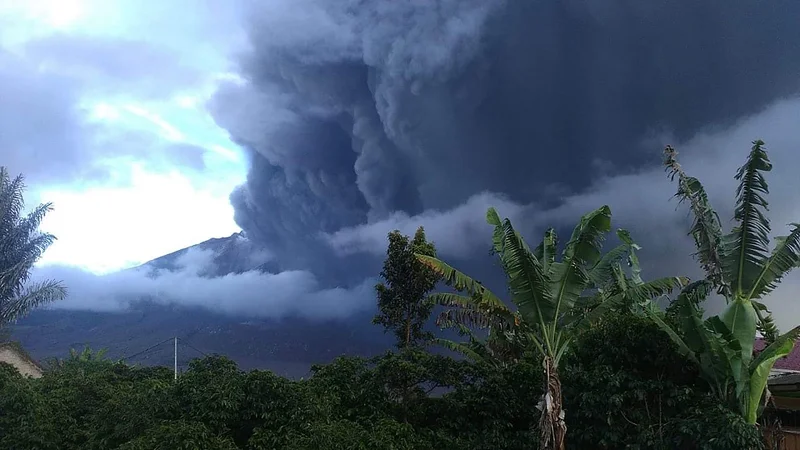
352, 110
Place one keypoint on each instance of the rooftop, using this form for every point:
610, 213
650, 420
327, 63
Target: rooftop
790, 362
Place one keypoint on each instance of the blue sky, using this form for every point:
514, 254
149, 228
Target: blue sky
119, 90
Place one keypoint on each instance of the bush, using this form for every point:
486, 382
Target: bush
625, 386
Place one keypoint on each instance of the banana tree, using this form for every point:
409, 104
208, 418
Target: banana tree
506, 340
741, 268
545, 291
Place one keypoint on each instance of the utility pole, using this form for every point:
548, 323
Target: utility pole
176, 358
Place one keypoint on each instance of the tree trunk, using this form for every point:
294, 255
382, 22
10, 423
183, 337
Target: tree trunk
771, 423
408, 329
552, 426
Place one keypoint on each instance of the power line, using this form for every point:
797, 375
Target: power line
147, 349
192, 347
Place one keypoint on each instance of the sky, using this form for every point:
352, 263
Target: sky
103, 113
317, 127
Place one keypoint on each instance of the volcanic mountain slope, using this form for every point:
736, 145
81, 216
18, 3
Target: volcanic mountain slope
232, 254
287, 346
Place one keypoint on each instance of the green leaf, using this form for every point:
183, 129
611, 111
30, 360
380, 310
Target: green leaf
603, 269
683, 348
762, 365
545, 252
784, 258
638, 294
526, 278
706, 227
485, 304
570, 277
740, 318
746, 246
587, 238
497, 236
460, 281
460, 347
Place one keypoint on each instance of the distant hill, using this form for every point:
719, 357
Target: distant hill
288, 346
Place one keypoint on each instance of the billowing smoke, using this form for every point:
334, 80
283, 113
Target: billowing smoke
362, 116
358, 112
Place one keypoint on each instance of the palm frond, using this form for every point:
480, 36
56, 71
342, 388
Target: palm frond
587, 238
746, 246
465, 349
21, 246
784, 258
634, 296
570, 277
460, 281
473, 311
493, 219
11, 200
30, 298
604, 268
457, 317
526, 278
649, 290
706, 227
766, 324
545, 252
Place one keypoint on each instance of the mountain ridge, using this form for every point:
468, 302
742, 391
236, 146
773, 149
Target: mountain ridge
288, 346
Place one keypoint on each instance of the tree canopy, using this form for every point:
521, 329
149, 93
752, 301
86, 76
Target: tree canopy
402, 306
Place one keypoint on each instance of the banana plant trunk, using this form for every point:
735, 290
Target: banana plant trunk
552, 426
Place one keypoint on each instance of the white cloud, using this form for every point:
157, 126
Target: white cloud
91, 115
253, 293
457, 232
105, 229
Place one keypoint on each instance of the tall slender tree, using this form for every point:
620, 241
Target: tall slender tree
402, 301
21, 245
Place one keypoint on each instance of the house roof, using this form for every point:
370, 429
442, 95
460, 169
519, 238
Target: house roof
789, 362
17, 348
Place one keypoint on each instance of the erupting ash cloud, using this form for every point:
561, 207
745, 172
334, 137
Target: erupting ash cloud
362, 116
355, 112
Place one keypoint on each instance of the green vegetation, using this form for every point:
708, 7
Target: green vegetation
403, 308
581, 342
550, 294
21, 245
740, 266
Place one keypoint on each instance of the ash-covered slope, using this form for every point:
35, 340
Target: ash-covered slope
288, 346
232, 254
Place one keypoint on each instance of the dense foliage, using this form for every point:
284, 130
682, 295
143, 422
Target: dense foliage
626, 386
410, 400
622, 392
